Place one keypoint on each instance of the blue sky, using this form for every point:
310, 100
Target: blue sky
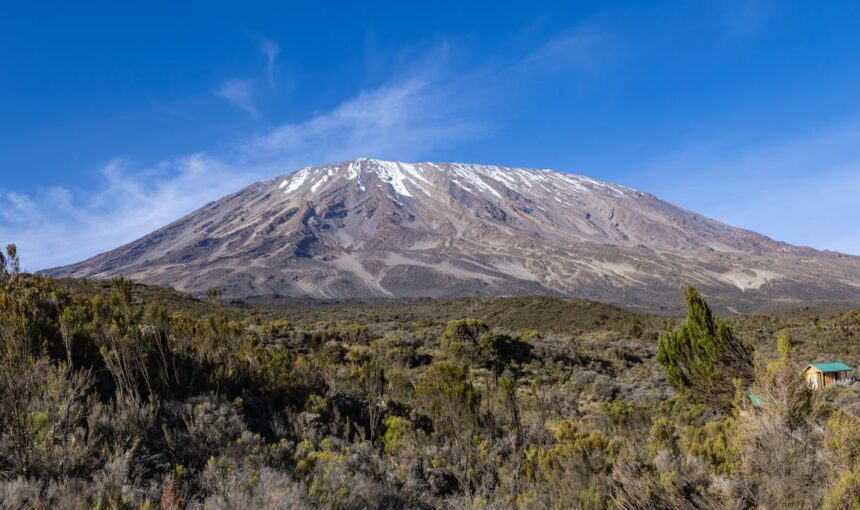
118, 117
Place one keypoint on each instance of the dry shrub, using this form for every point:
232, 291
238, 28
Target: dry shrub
782, 443
249, 487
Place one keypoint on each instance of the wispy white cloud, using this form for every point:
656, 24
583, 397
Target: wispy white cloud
18, 205
271, 50
583, 48
424, 107
239, 92
61, 225
403, 120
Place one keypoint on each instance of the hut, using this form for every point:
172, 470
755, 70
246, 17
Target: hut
822, 374
750, 404
755, 400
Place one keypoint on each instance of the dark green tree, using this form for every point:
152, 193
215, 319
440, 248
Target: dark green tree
703, 357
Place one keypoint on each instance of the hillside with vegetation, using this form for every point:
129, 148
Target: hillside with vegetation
123, 396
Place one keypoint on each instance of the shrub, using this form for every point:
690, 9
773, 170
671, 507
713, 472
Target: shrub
845, 494
250, 487
397, 430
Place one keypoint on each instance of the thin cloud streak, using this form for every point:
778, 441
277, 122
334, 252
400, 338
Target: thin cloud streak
239, 92
397, 121
581, 49
271, 50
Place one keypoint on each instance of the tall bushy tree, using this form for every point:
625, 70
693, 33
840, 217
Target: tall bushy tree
14, 265
703, 356
214, 295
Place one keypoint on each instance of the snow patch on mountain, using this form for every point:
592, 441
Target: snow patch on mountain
296, 180
393, 174
472, 178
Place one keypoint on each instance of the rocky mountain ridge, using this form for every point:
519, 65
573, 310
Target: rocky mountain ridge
378, 229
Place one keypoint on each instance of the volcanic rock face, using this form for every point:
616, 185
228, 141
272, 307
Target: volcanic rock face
369, 228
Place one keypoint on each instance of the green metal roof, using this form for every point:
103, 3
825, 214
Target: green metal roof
755, 400
831, 366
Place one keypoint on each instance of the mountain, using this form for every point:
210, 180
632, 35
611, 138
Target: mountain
378, 229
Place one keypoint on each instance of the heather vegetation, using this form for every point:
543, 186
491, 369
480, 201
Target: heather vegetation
114, 395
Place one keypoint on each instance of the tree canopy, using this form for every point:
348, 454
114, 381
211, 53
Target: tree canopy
703, 357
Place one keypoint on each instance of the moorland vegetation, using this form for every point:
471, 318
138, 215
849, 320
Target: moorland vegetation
116, 395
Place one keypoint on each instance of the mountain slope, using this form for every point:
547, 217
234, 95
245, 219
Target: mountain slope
369, 228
